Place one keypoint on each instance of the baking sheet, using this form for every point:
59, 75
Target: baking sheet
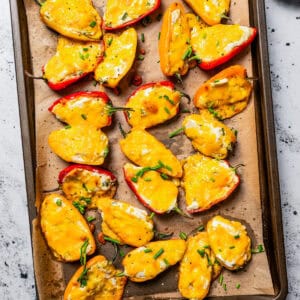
245, 203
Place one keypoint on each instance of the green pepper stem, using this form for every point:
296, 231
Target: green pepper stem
32, 76
180, 212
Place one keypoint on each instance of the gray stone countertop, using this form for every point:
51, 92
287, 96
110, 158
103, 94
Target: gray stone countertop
16, 273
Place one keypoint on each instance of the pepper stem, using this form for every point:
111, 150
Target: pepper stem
32, 76
237, 167
40, 3
179, 78
112, 109
123, 132
180, 212
185, 95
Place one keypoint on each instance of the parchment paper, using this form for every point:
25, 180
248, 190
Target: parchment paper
244, 204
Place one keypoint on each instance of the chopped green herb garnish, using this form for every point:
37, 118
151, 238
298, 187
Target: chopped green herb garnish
206, 246
83, 116
141, 57
166, 262
167, 110
214, 113
176, 132
90, 218
152, 215
79, 206
221, 278
162, 236
68, 127
158, 253
212, 179
106, 238
85, 187
82, 279
187, 53
122, 253
121, 274
109, 41
231, 247
201, 252
164, 176
259, 249
168, 99
238, 286
225, 287
58, 202
85, 49
93, 24
158, 36
147, 179
237, 236
124, 16
200, 228
105, 151
148, 250
142, 37
183, 235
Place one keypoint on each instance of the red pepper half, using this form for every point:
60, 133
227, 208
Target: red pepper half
81, 182
152, 104
154, 190
72, 61
95, 108
207, 182
120, 14
215, 45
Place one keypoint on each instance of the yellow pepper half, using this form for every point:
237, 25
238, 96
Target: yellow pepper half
211, 11
102, 281
174, 42
229, 241
65, 229
147, 262
225, 94
76, 19
119, 56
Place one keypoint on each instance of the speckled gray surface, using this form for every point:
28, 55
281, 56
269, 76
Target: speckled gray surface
16, 274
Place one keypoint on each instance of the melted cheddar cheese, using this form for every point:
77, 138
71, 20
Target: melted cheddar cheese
214, 42
211, 11
209, 136
146, 151
156, 193
225, 94
152, 106
207, 181
102, 282
76, 19
118, 13
81, 183
119, 56
79, 144
64, 228
174, 41
72, 59
130, 224
83, 110
229, 241
195, 271
147, 262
